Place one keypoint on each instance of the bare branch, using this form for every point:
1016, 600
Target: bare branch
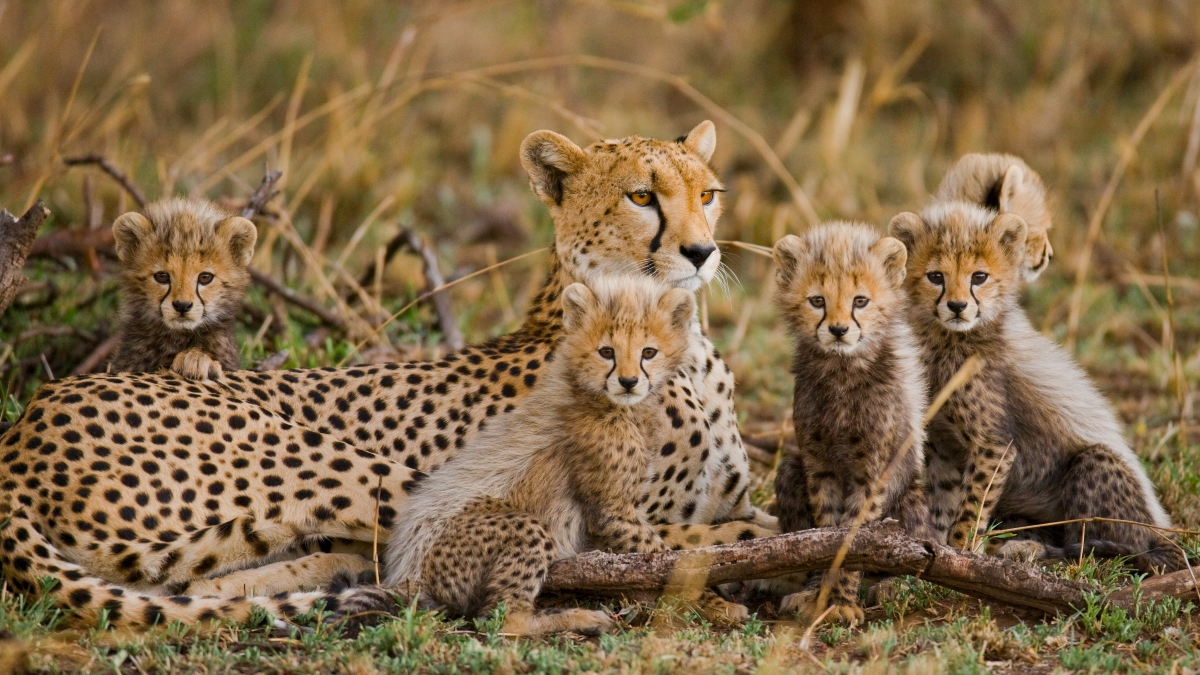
108, 168
17, 236
262, 195
271, 284
452, 336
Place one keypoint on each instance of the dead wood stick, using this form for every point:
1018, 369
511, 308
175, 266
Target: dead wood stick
16, 239
262, 195
274, 286
110, 169
451, 335
878, 547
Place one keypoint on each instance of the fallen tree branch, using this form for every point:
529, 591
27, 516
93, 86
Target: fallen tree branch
878, 547
108, 168
451, 335
17, 236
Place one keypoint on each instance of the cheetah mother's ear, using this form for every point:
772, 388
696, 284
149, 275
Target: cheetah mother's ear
680, 305
241, 235
128, 230
577, 301
549, 158
702, 140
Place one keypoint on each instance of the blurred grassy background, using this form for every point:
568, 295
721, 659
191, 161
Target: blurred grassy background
390, 114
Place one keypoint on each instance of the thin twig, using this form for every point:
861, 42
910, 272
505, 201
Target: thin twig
110, 169
97, 356
988, 489
271, 284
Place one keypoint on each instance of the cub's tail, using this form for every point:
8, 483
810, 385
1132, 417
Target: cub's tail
27, 558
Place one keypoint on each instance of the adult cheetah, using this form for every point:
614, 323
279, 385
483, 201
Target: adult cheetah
141, 494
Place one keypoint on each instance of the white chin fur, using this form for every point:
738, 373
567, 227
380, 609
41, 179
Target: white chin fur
839, 347
959, 325
626, 398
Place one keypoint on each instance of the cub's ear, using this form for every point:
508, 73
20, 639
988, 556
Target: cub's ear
1010, 186
788, 252
702, 140
549, 158
890, 251
681, 305
1010, 231
241, 235
128, 231
577, 301
907, 227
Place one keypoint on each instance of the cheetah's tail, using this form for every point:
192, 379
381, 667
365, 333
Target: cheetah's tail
27, 557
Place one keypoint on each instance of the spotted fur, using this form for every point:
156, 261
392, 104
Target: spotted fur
859, 395
1029, 438
258, 469
184, 271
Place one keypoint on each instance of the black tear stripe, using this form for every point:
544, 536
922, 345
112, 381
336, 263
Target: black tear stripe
992, 199
937, 302
978, 305
817, 330
656, 242
203, 305
854, 318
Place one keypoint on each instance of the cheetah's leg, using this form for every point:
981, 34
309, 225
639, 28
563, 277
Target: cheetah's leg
316, 571
979, 414
484, 559
945, 493
1097, 483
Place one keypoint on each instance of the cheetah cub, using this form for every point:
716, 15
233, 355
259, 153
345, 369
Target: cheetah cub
859, 394
1029, 439
183, 274
1005, 184
559, 476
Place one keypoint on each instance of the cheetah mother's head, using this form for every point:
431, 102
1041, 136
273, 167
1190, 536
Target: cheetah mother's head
630, 205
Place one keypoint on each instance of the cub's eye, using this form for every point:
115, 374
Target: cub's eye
817, 301
649, 353
205, 278
861, 301
706, 197
607, 353
935, 278
978, 278
642, 198
162, 277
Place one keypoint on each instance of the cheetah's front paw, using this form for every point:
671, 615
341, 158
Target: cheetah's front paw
194, 364
804, 605
1025, 551
719, 611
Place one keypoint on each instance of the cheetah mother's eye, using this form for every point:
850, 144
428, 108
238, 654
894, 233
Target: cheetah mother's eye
643, 198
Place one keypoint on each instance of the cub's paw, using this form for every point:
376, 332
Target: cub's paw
719, 611
194, 364
804, 606
359, 606
1021, 550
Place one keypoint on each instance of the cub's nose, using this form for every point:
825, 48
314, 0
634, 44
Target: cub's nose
957, 306
697, 253
839, 331
181, 306
628, 382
